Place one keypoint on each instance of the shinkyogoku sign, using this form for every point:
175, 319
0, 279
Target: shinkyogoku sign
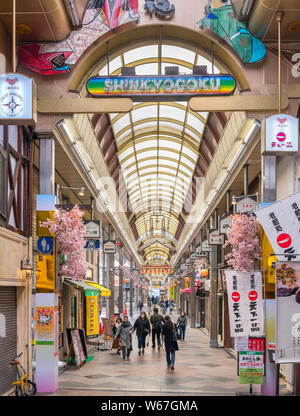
17, 99
161, 86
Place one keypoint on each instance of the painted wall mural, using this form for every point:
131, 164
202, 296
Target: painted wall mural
220, 18
59, 57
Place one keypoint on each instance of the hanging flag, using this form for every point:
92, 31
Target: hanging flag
245, 303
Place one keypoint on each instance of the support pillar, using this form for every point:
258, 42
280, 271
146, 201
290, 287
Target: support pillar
270, 386
213, 334
120, 305
111, 278
192, 294
131, 289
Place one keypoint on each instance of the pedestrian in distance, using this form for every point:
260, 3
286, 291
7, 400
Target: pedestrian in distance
141, 304
125, 331
181, 323
170, 333
167, 304
156, 321
142, 328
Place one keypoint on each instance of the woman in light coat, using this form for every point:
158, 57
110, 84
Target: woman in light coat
124, 332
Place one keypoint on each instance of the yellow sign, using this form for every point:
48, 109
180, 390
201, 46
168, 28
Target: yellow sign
41, 217
92, 326
45, 273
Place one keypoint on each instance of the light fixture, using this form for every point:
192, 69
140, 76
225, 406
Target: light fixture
81, 189
27, 268
81, 192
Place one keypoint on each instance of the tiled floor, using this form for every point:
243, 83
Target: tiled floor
199, 370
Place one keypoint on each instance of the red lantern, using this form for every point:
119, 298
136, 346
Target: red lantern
204, 273
187, 279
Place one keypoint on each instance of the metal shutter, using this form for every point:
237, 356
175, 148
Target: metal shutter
8, 336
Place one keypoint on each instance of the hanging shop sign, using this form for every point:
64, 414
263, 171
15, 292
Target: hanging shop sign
92, 327
281, 223
160, 8
171, 87
198, 251
281, 134
205, 246
215, 238
246, 203
109, 246
45, 245
245, 303
92, 229
91, 245
18, 103
225, 222
287, 313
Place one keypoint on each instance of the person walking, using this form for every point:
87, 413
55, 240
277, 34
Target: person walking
125, 331
181, 322
142, 328
141, 304
117, 342
156, 322
167, 304
169, 331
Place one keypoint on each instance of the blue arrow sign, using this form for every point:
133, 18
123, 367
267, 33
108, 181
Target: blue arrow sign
45, 245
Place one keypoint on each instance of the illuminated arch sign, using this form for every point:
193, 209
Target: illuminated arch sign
176, 87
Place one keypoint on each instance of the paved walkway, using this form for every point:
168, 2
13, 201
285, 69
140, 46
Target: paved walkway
199, 370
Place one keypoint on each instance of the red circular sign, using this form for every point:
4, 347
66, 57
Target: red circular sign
281, 136
235, 296
284, 240
252, 295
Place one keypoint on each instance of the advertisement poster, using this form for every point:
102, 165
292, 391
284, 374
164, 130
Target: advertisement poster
287, 313
251, 367
92, 327
281, 223
245, 303
44, 323
282, 132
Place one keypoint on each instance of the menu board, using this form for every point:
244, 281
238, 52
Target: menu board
77, 345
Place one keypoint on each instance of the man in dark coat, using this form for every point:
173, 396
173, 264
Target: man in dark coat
169, 330
156, 321
142, 327
124, 331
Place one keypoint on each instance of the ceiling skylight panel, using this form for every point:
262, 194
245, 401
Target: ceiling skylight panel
170, 111
148, 111
187, 151
146, 153
169, 144
195, 123
147, 69
125, 153
122, 122
142, 52
141, 145
169, 153
172, 51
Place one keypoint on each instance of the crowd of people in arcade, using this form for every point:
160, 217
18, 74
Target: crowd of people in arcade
158, 328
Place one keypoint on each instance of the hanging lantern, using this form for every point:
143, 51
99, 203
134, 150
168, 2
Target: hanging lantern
178, 282
187, 279
126, 280
204, 273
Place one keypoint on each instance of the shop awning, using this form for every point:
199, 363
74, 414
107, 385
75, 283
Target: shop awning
103, 290
77, 284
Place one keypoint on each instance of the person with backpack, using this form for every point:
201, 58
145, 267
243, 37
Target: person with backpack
181, 322
170, 332
142, 328
156, 322
124, 332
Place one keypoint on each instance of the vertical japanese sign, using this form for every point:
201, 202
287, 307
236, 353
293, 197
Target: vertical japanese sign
92, 327
287, 313
245, 303
281, 223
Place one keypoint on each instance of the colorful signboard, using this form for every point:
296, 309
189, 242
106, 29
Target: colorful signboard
215, 238
92, 326
287, 313
17, 99
251, 367
281, 223
245, 303
44, 316
176, 87
281, 134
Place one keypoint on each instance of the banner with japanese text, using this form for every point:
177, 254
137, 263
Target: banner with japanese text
281, 223
245, 303
287, 313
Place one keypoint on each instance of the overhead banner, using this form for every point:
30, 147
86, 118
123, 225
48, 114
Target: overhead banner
176, 87
245, 303
287, 313
281, 223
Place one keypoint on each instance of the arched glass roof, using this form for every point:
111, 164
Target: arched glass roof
158, 146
